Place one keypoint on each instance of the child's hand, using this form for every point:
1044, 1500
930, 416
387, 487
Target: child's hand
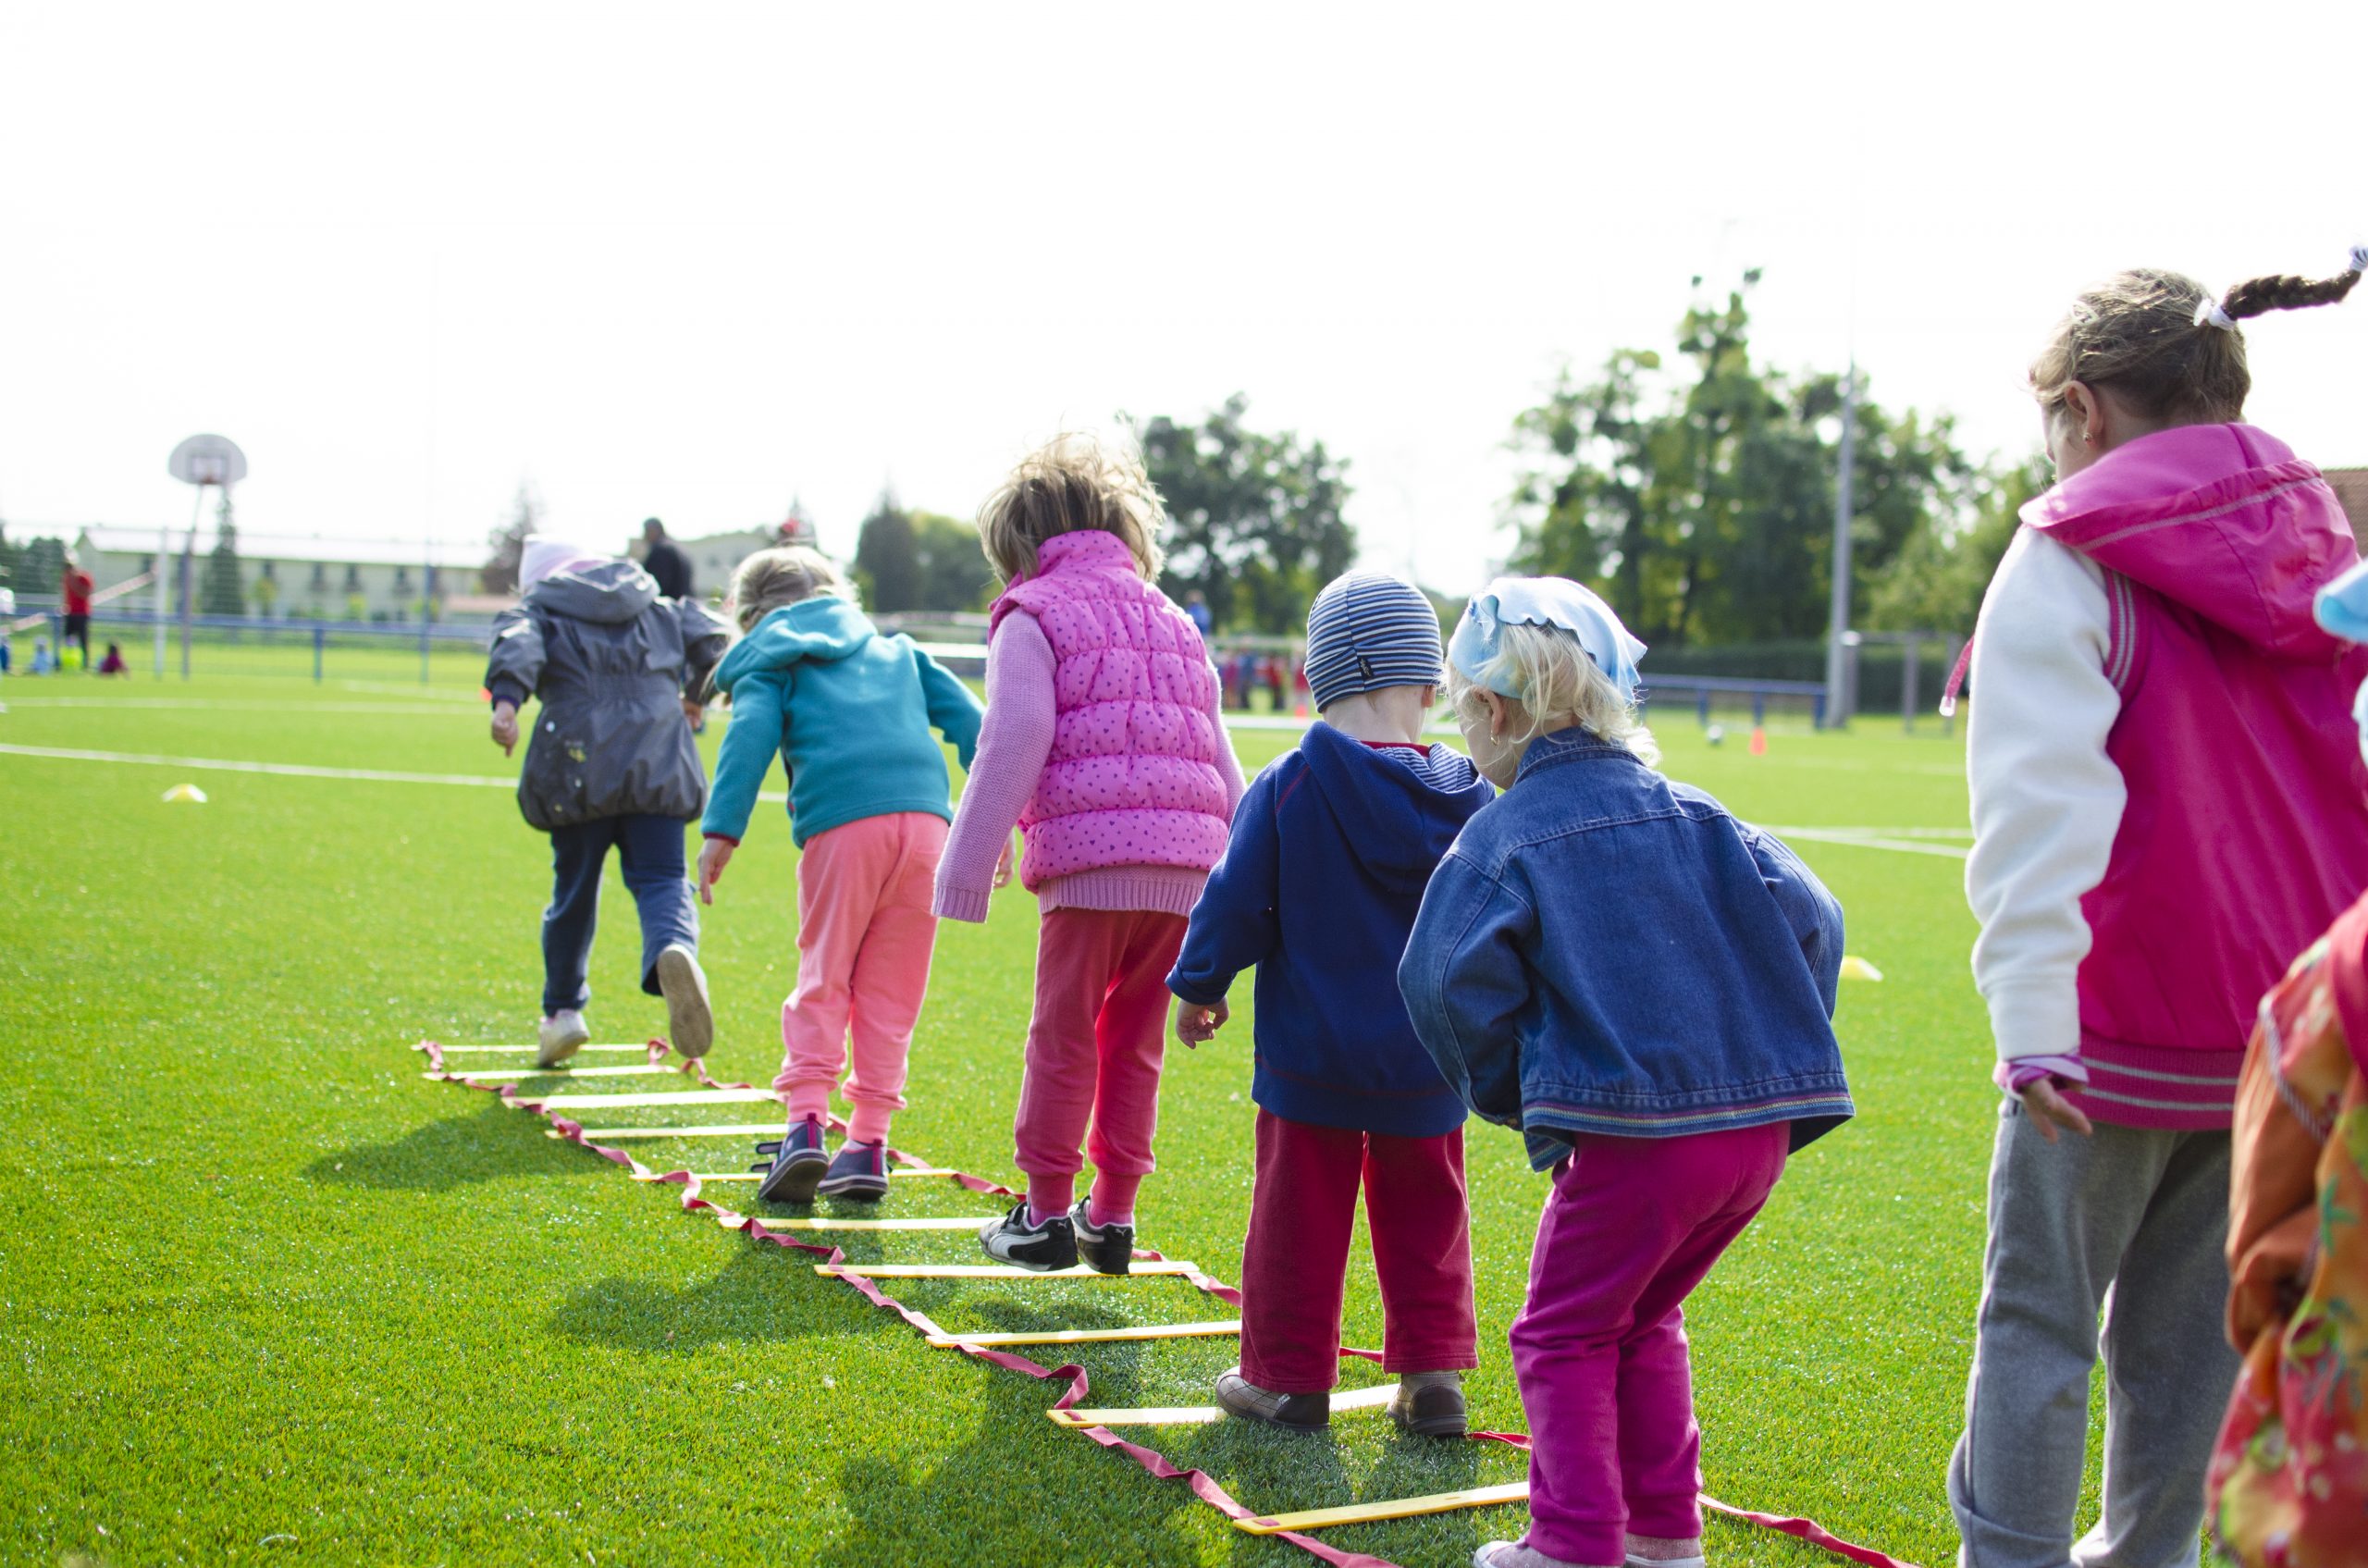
2048, 1109
1009, 862
505, 727
1195, 1023
695, 711
714, 855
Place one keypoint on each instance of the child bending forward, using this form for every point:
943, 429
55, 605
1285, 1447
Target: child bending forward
849, 711
1330, 856
1643, 986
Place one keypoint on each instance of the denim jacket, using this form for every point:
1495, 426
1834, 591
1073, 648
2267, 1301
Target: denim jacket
1604, 951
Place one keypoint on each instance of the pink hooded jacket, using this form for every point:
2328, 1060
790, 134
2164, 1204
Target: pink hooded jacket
1133, 778
2242, 837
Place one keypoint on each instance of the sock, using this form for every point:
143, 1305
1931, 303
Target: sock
1112, 1201
868, 1124
1049, 1195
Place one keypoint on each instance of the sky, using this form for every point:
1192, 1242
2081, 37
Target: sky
690, 262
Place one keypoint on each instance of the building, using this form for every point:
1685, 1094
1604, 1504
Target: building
2352, 489
288, 578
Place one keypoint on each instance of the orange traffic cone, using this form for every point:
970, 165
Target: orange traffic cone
1758, 741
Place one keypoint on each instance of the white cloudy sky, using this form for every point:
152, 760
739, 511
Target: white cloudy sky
689, 260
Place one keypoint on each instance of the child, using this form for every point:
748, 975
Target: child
849, 711
2166, 798
1103, 742
44, 662
113, 663
1644, 986
1329, 855
611, 764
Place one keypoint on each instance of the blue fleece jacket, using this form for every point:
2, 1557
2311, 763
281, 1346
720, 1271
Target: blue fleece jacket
1321, 880
848, 709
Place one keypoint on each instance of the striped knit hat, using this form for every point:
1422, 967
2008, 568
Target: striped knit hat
1367, 631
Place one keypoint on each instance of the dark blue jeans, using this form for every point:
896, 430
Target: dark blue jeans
650, 849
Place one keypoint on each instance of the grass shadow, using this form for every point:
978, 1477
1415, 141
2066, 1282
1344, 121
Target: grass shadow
745, 1304
456, 1152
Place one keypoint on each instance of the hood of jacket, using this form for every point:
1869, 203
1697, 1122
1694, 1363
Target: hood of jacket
1399, 820
825, 627
610, 593
2223, 520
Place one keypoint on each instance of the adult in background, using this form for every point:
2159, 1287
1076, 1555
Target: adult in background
76, 585
611, 764
665, 562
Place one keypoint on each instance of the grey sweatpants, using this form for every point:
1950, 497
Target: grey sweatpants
2142, 1212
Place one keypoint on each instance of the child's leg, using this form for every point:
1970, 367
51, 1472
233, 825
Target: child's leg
839, 876
1422, 1250
2167, 1363
579, 852
1660, 1445
1076, 953
891, 976
651, 850
2060, 1216
1621, 1211
1295, 1260
1130, 1045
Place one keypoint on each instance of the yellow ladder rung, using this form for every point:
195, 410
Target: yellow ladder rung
1095, 1336
1195, 1415
618, 1102
995, 1270
637, 1070
742, 1131
1372, 1512
827, 1222
491, 1050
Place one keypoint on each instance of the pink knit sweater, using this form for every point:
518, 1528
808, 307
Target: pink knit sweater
1015, 742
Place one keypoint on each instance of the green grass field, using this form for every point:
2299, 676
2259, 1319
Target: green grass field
267, 1293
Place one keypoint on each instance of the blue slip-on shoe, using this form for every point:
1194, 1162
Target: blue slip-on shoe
797, 1166
860, 1171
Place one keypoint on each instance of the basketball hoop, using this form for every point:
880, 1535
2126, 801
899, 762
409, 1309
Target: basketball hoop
207, 460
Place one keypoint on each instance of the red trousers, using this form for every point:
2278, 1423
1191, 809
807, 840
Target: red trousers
1295, 1262
1095, 1045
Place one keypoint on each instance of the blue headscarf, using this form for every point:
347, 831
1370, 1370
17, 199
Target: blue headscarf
2341, 608
1544, 601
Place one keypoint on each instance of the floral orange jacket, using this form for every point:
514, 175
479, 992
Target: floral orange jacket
2288, 1483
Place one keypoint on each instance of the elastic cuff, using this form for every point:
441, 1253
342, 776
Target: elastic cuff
506, 691
732, 839
963, 903
1192, 996
868, 1123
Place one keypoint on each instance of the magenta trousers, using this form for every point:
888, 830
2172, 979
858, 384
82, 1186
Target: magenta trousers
864, 934
1633, 1225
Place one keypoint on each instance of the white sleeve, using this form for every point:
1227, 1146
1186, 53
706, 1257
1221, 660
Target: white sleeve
2047, 801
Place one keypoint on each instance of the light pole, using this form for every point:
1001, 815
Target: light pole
1837, 635
200, 460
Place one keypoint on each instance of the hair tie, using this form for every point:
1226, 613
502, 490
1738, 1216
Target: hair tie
2208, 309
2359, 259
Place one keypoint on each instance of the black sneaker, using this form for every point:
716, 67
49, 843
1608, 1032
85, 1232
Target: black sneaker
1106, 1249
1293, 1412
1041, 1248
798, 1163
860, 1171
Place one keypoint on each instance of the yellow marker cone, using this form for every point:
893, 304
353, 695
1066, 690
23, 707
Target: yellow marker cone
1855, 967
187, 793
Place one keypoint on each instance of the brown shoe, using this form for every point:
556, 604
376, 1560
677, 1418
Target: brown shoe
1431, 1408
1293, 1412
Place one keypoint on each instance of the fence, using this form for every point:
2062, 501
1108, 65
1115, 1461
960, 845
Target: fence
430, 653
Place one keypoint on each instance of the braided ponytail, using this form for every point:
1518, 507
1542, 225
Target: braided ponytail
2256, 296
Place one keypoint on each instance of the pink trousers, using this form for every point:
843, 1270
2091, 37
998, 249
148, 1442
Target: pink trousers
863, 933
1633, 1225
1095, 1047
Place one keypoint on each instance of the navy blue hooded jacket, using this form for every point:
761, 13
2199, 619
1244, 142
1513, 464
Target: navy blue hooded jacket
1331, 849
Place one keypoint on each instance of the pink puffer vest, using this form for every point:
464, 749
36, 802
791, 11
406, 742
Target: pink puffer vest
2246, 830
1132, 779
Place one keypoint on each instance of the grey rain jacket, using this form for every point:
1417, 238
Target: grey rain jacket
611, 661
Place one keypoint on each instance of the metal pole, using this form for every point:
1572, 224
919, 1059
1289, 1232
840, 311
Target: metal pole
1838, 714
320, 636
1907, 685
189, 599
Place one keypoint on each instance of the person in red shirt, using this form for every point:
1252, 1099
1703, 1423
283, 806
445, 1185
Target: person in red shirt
77, 585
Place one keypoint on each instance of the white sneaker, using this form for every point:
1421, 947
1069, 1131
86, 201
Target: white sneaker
690, 1022
561, 1033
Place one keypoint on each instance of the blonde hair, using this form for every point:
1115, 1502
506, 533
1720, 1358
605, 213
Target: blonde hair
1556, 681
2147, 335
1072, 483
784, 575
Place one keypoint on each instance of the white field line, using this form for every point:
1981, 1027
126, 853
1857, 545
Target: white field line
1904, 841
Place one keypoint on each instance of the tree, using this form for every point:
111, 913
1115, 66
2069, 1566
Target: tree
1257, 517
1702, 503
34, 567
954, 570
1936, 582
888, 558
219, 590
499, 573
